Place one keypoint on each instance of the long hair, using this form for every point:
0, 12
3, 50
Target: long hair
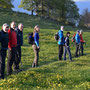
37, 26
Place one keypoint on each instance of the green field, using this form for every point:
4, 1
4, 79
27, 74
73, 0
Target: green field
51, 73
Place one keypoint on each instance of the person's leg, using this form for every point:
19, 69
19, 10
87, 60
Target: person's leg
69, 52
76, 54
60, 52
9, 62
37, 57
34, 49
65, 52
11, 59
17, 58
82, 48
2, 63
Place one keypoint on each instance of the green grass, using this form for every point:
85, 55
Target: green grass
51, 74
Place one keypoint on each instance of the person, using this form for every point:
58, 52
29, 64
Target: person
67, 47
61, 42
35, 45
77, 42
3, 48
81, 42
18, 48
11, 47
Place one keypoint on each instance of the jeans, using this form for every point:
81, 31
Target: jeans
67, 49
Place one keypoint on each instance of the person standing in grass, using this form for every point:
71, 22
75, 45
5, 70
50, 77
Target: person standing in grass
77, 42
3, 48
11, 47
81, 42
61, 42
35, 45
18, 48
67, 47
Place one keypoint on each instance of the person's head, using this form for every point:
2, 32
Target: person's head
62, 28
37, 28
13, 25
20, 26
5, 27
77, 31
68, 34
81, 31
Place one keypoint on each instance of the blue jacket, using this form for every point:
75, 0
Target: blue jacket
19, 38
36, 39
61, 40
77, 38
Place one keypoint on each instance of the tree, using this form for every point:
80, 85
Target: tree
61, 10
6, 4
85, 18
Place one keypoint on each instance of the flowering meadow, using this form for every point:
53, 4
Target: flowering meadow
51, 73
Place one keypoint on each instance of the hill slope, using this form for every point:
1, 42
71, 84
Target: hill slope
51, 74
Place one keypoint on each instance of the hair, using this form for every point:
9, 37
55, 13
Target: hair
62, 27
11, 23
77, 31
19, 25
5, 24
68, 33
37, 26
81, 31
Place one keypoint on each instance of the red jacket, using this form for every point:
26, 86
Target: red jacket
12, 38
81, 38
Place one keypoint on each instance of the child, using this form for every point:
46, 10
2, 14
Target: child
67, 47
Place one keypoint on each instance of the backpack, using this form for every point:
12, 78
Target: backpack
56, 36
30, 38
73, 38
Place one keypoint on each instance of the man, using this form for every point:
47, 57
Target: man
67, 47
61, 42
77, 42
12, 47
3, 48
18, 48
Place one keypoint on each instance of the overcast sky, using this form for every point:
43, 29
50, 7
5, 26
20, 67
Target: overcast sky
82, 4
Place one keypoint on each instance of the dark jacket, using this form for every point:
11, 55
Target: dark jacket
19, 38
12, 38
4, 40
67, 41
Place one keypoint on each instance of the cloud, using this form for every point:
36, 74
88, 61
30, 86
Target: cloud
81, 0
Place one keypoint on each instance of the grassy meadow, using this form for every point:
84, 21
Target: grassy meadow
51, 73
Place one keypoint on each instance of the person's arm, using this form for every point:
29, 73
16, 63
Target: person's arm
9, 35
36, 39
66, 41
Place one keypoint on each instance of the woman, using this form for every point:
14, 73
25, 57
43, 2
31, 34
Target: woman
81, 41
36, 45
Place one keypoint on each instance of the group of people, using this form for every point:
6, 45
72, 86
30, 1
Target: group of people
11, 39
64, 42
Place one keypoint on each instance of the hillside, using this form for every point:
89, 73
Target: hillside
51, 74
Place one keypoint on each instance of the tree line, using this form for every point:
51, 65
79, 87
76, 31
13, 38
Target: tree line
65, 11
61, 10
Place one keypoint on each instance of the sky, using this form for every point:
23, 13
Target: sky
82, 4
